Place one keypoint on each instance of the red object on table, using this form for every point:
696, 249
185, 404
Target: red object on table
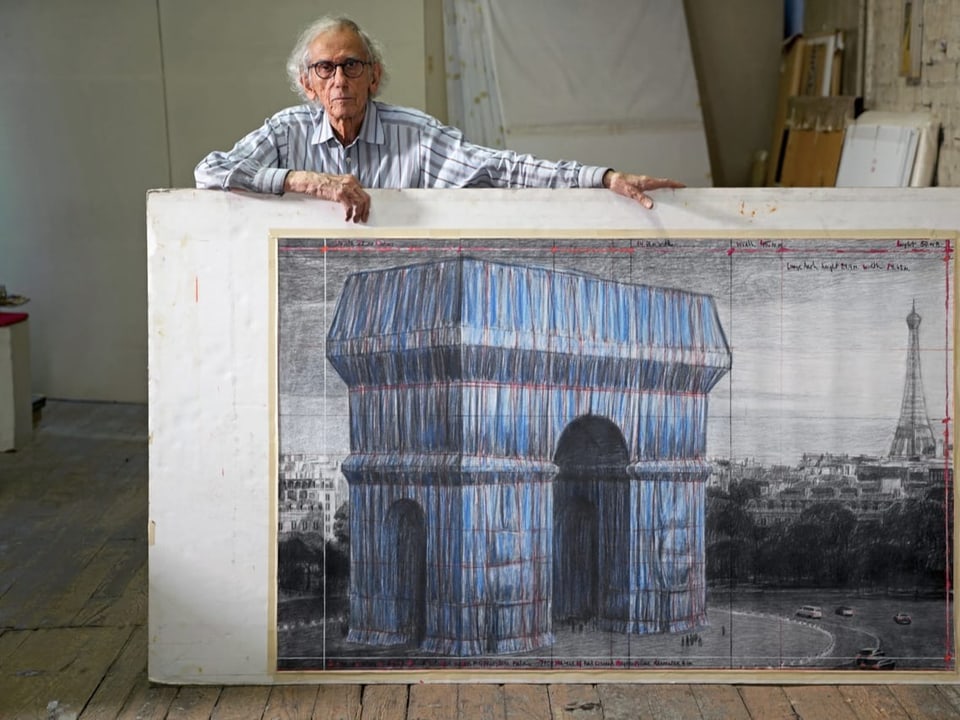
12, 318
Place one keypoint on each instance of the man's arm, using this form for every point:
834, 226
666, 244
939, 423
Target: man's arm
259, 162
451, 161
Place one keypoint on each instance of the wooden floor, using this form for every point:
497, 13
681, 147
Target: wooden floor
73, 585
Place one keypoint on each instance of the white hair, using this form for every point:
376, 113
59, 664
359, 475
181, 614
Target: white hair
299, 56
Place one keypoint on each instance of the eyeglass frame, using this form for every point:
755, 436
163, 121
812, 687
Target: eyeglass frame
341, 65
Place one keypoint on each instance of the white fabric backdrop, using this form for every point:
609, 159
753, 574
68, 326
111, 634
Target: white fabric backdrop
609, 82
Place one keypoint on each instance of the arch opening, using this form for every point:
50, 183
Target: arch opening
407, 574
591, 523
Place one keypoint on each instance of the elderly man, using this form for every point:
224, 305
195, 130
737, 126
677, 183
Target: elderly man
343, 141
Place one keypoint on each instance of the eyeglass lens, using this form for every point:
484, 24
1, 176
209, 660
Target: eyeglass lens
325, 69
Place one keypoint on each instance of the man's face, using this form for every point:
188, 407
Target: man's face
343, 98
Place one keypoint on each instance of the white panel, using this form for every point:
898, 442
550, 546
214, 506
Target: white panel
210, 376
573, 72
877, 156
651, 151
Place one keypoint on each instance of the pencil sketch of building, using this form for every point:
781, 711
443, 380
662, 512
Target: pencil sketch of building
310, 489
526, 448
869, 485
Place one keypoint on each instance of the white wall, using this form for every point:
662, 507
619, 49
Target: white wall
82, 137
102, 100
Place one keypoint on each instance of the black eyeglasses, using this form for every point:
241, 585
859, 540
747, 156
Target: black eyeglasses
351, 67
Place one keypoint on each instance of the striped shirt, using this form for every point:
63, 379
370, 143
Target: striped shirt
397, 147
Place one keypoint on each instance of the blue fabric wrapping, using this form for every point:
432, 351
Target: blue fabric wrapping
474, 525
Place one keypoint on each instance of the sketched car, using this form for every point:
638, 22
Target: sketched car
901, 618
810, 611
868, 658
844, 611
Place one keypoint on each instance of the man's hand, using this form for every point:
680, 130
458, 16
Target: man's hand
636, 186
344, 189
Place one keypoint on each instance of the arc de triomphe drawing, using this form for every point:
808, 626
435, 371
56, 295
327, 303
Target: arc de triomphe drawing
527, 448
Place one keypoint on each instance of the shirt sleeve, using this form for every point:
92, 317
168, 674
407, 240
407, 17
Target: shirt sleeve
449, 160
255, 163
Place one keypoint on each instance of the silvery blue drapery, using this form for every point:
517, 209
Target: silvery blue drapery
473, 96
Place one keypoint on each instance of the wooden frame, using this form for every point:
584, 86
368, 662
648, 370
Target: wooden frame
735, 221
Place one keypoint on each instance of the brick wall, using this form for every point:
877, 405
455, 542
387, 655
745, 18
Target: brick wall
939, 88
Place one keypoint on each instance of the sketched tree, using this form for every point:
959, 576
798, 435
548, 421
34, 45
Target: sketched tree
731, 535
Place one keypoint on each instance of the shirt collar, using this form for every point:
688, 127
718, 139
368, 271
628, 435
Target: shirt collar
371, 131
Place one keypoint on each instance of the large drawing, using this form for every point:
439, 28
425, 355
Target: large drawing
623, 453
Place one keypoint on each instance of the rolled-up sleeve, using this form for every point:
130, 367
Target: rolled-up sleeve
254, 164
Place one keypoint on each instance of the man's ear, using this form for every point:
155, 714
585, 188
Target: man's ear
307, 87
376, 72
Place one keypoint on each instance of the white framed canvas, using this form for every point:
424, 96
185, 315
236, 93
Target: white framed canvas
550, 436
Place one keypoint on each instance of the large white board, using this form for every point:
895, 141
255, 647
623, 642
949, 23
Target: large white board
213, 378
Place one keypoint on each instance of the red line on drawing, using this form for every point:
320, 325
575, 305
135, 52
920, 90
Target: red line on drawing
196, 289
948, 480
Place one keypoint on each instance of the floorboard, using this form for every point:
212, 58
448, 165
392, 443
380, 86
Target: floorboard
720, 702
767, 702
526, 702
338, 702
924, 702
432, 702
120, 680
481, 702
575, 701
291, 702
873, 701
819, 702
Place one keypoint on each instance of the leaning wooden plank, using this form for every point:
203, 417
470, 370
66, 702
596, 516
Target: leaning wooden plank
720, 702
194, 702
575, 701
625, 702
242, 702
120, 680
58, 669
873, 701
819, 702
384, 702
480, 702
432, 702
767, 702
291, 702
526, 702
923, 702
